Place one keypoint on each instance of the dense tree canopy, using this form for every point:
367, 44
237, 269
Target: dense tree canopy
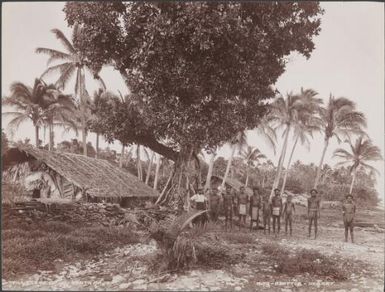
198, 72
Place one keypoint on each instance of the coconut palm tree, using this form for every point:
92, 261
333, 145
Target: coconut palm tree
238, 142
58, 110
339, 119
73, 61
27, 102
302, 132
362, 152
289, 113
283, 113
251, 156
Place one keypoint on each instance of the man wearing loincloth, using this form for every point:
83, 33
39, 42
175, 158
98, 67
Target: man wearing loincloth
313, 211
242, 206
255, 205
199, 202
348, 213
276, 209
214, 202
228, 202
266, 211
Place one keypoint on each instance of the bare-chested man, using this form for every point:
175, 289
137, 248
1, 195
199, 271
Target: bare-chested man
276, 210
242, 206
266, 211
228, 205
313, 211
288, 213
348, 213
255, 205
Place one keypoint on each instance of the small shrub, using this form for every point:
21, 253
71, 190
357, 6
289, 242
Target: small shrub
306, 261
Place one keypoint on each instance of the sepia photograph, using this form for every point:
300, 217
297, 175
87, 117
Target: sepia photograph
192, 146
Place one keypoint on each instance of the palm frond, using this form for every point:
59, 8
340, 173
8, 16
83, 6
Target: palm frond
62, 38
65, 76
60, 68
54, 55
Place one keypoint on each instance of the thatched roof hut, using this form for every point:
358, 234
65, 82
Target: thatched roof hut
96, 178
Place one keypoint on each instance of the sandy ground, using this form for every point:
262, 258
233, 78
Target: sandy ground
122, 268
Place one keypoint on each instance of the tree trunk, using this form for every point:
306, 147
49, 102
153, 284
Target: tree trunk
288, 166
263, 181
149, 168
37, 136
247, 177
280, 162
97, 146
228, 166
353, 180
139, 163
210, 171
176, 192
44, 134
157, 171
121, 157
320, 164
51, 137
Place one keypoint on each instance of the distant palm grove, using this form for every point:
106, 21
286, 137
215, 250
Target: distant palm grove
153, 149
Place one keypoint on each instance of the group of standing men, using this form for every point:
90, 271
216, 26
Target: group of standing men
230, 203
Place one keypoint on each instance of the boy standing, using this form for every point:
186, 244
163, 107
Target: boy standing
348, 213
313, 206
288, 213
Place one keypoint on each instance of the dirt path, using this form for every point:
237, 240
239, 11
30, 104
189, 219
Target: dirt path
123, 269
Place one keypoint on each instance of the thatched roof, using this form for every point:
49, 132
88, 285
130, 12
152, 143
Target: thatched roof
97, 177
234, 183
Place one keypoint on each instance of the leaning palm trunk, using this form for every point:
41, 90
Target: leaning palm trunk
318, 175
288, 165
228, 166
353, 180
139, 163
121, 157
157, 171
210, 171
149, 168
280, 163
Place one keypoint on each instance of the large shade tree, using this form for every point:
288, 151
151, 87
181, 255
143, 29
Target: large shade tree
339, 119
361, 152
195, 68
72, 61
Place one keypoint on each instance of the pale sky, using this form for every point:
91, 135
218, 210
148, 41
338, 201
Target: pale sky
348, 61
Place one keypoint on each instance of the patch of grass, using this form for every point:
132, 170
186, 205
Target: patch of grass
238, 237
27, 251
306, 261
